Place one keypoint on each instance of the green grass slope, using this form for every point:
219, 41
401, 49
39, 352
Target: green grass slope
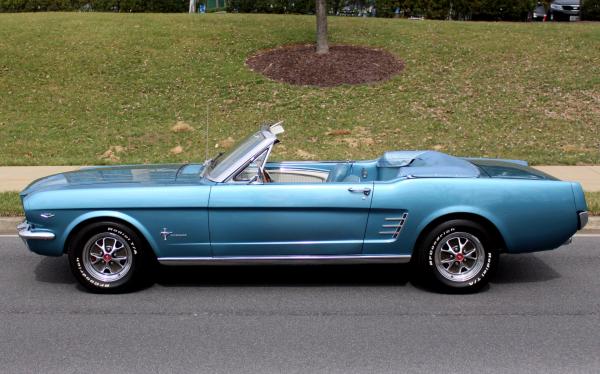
73, 85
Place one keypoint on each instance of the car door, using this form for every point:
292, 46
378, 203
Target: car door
288, 218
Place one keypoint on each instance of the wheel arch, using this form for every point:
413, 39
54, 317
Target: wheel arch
116, 217
491, 229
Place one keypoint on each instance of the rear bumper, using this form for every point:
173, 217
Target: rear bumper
582, 219
27, 232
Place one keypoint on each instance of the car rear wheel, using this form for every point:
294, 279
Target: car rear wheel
108, 257
457, 256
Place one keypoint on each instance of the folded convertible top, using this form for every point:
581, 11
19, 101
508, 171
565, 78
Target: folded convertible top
428, 164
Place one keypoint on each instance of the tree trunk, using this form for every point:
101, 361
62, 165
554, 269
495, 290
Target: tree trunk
322, 46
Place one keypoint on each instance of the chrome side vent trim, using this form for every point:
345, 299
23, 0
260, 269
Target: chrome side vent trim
396, 224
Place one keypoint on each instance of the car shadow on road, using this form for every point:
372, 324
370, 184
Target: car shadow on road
284, 275
523, 268
54, 270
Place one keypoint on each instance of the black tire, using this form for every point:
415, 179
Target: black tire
118, 249
440, 267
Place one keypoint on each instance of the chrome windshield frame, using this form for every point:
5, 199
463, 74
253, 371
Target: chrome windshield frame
269, 138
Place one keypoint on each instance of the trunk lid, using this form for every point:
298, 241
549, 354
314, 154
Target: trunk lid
508, 169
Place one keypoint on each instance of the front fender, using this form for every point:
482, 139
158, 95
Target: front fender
107, 214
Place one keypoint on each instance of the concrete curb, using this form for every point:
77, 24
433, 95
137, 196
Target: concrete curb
8, 225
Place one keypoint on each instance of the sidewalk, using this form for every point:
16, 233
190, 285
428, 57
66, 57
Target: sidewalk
15, 178
588, 176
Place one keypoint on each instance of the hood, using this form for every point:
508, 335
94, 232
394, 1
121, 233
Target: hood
510, 169
104, 175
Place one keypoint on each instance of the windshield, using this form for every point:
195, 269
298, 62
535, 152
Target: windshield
225, 161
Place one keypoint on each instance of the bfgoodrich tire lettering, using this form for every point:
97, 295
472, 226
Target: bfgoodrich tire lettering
107, 257
457, 256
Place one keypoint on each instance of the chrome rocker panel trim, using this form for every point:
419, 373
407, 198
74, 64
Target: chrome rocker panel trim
285, 260
25, 233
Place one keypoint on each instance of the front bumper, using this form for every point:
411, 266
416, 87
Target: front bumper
565, 14
27, 232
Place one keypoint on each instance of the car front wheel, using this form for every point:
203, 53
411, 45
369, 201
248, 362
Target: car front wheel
457, 256
107, 257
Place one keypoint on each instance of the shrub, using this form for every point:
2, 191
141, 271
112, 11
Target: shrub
491, 10
590, 10
94, 5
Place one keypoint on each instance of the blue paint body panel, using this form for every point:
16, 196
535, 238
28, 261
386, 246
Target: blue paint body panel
528, 219
350, 214
288, 219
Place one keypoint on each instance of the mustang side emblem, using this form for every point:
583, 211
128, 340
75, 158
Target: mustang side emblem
166, 234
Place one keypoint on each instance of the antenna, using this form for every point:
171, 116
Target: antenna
206, 152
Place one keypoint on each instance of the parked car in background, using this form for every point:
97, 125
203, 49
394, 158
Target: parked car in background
539, 13
565, 10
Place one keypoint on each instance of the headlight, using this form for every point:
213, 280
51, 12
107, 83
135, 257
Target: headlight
556, 6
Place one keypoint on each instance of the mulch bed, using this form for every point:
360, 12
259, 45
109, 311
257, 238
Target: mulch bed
344, 64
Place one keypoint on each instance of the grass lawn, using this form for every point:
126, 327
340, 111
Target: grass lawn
73, 85
10, 204
593, 201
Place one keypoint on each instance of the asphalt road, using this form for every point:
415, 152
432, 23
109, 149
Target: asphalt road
540, 314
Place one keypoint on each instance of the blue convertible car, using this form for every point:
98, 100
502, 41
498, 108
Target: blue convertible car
449, 216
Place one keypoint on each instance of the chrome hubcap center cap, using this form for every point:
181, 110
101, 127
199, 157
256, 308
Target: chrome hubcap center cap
107, 258
460, 257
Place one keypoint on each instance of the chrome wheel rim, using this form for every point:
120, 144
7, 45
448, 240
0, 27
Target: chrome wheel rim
107, 257
459, 257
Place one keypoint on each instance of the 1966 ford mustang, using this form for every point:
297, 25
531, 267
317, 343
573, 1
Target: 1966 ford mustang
449, 216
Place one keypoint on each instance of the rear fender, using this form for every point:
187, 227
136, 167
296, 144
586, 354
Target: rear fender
466, 210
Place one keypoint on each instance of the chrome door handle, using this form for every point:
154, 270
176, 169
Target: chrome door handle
366, 191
